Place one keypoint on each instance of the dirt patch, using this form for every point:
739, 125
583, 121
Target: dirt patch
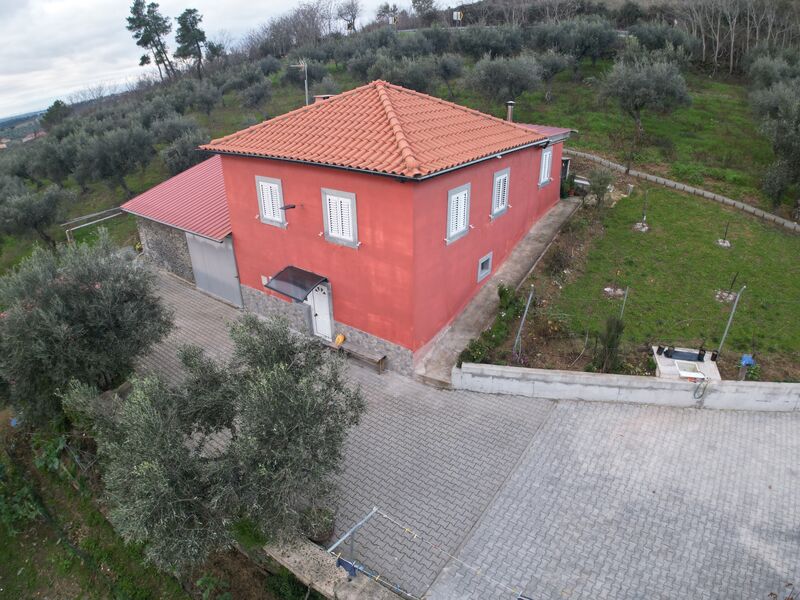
611, 291
724, 296
233, 573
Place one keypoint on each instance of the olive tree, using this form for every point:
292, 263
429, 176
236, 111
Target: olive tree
84, 312
645, 85
183, 153
506, 78
450, 67
418, 74
552, 63
779, 111
258, 436
115, 154
24, 210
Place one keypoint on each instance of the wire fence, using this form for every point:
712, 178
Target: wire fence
421, 544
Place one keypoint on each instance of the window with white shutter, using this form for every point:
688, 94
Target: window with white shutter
546, 166
457, 212
500, 192
270, 201
339, 210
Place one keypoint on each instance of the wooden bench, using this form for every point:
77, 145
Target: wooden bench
374, 359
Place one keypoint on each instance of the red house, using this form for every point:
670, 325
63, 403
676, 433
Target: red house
376, 214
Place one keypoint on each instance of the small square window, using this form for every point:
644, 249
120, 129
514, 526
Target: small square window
484, 267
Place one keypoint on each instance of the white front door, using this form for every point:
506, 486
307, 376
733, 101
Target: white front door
321, 311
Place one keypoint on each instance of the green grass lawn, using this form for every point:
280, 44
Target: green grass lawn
675, 269
714, 143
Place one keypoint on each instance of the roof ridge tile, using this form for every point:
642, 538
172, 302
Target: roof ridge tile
467, 109
412, 164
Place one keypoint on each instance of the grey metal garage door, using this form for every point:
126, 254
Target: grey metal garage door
214, 267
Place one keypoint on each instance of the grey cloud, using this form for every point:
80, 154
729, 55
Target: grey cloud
52, 48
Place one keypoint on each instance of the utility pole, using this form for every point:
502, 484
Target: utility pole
730, 320
303, 65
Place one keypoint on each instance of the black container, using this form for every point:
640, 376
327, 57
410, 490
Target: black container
660, 350
701, 355
714, 356
668, 352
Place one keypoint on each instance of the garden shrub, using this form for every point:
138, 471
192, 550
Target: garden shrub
18, 506
557, 261
480, 349
607, 355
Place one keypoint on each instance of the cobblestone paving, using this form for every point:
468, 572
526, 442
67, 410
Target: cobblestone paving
568, 500
624, 501
432, 460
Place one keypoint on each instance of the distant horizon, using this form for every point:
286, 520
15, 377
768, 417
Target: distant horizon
42, 61
4, 118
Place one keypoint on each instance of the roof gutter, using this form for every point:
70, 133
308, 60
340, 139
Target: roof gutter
208, 237
543, 142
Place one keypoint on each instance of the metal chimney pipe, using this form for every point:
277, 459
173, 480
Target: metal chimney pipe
510, 111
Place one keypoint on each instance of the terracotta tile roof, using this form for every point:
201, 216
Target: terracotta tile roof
380, 127
193, 201
554, 133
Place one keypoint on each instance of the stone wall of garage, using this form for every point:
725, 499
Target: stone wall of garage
298, 314
166, 247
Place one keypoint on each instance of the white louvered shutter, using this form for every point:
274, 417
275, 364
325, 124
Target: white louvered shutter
547, 162
334, 216
270, 199
346, 216
340, 217
459, 219
500, 199
453, 216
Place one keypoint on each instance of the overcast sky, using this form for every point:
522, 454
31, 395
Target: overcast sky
53, 48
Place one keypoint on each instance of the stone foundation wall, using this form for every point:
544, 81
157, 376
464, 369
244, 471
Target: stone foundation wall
166, 247
399, 359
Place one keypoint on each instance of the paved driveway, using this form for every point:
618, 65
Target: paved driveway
554, 500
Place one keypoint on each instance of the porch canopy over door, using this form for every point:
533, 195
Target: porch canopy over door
295, 283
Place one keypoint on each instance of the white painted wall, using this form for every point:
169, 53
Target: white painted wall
599, 387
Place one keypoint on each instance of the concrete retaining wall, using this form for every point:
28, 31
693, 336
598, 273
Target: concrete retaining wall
598, 387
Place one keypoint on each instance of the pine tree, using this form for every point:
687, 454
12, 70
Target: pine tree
190, 38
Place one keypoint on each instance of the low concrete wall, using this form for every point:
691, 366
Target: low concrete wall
599, 387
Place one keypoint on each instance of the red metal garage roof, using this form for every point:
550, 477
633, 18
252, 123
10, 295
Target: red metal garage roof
193, 201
